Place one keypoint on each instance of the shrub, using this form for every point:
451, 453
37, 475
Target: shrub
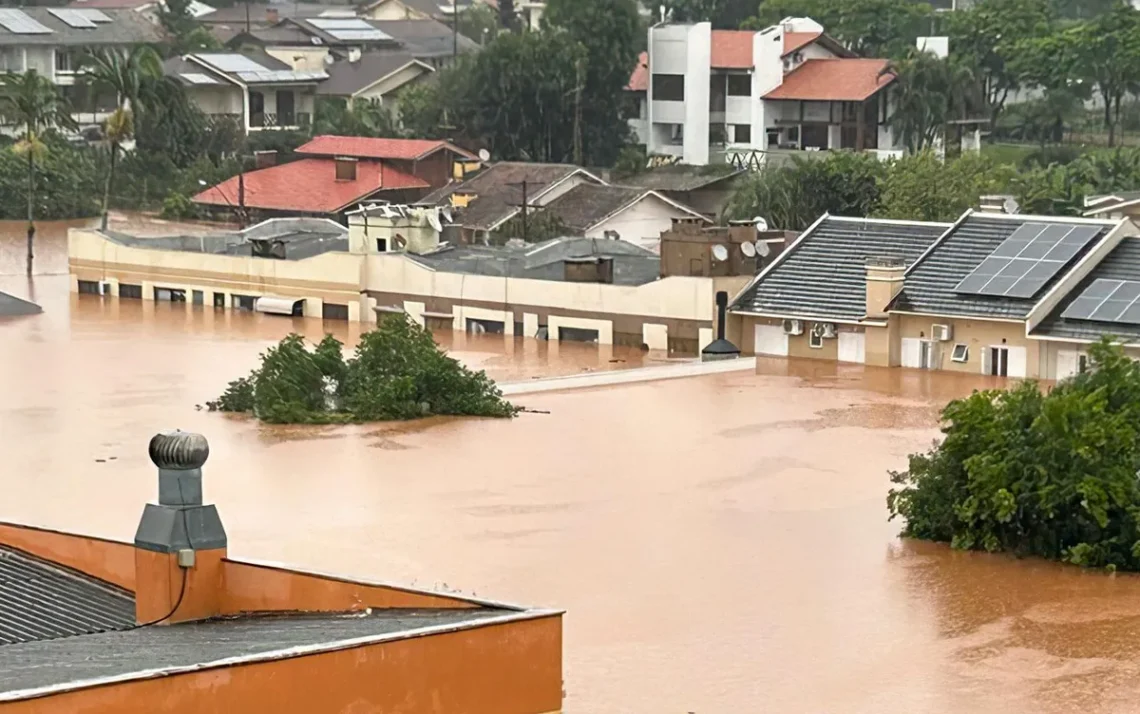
178, 205
1022, 471
397, 372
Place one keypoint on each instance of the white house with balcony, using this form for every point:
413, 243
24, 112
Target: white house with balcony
703, 95
254, 90
52, 41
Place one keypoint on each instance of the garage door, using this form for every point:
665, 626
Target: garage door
770, 340
852, 347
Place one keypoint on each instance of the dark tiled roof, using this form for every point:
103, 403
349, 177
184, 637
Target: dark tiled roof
633, 265
930, 283
498, 190
680, 177
824, 273
111, 654
258, 12
41, 601
12, 306
127, 27
584, 206
1123, 263
348, 78
330, 38
425, 38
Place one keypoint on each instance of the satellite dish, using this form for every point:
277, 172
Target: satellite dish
445, 211
433, 219
748, 249
720, 253
760, 223
763, 249
484, 155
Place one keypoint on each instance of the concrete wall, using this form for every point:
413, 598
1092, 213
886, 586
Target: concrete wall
977, 334
390, 84
217, 99
300, 58
641, 223
697, 73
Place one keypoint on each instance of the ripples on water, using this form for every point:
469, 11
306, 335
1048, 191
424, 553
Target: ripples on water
720, 544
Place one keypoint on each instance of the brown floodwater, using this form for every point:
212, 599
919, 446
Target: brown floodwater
720, 543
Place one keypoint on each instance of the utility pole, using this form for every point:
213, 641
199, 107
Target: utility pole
524, 211
454, 31
577, 114
247, 16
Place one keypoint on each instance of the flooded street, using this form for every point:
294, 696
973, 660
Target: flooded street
720, 543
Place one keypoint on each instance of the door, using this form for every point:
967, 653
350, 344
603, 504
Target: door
1068, 363
852, 347
928, 354
911, 349
256, 109
1015, 358
996, 362
770, 340
286, 110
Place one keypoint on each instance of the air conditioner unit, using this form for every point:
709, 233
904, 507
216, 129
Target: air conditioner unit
942, 333
828, 330
104, 287
793, 327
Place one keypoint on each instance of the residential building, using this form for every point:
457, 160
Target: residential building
254, 90
433, 161
52, 41
707, 96
496, 194
148, 8
993, 293
103, 626
637, 215
398, 258
703, 188
1121, 204
377, 77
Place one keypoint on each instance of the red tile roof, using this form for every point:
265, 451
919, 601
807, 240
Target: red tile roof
732, 49
308, 186
369, 148
797, 40
639, 80
835, 80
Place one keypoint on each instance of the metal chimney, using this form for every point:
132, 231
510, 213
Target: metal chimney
720, 348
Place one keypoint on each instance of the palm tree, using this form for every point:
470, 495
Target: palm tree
927, 93
130, 75
32, 102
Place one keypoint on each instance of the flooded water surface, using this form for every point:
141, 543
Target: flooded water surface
720, 544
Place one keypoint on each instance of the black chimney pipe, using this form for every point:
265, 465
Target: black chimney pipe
720, 348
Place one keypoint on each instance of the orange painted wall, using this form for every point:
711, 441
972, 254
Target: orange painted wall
254, 588
512, 668
108, 560
160, 585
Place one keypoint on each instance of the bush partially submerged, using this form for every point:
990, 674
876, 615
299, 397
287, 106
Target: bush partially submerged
1053, 475
397, 372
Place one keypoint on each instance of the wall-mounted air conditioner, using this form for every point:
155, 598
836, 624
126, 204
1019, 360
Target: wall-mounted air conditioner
793, 327
942, 333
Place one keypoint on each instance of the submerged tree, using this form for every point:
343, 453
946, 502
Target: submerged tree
397, 372
33, 104
1049, 474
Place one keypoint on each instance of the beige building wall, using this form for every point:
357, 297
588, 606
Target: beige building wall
642, 223
217, 99
394, 10
301, 59
389, 84
977, 334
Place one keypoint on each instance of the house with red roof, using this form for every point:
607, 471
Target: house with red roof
704, 94
336, 174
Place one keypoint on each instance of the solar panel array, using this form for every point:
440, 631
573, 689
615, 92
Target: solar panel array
281, 75
340, 23
372, 34
92, 14
233, 63
20, 23
1027, 260
1107, 301
72, 17
198, 78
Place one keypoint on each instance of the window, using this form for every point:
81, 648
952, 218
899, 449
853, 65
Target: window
64, 62
381, 245
718, 134
219, 300
198, 297
242, 302
88, 287
12, 59
999, 362
130, 291
815, 340
961, 353
169, 295
677, 134
793, 135
742, 133
577, 334
1082, 363
668, 87
332, 311
740, 85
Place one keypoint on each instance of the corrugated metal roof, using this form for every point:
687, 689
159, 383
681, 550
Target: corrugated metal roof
1123, 263
930, 283
43, 601
824, 274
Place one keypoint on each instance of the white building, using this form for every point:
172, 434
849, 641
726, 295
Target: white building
703, 92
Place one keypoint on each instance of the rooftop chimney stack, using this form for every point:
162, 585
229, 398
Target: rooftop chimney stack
884, 282
180, 542
720, 348
265, 159
345, 168
272, 16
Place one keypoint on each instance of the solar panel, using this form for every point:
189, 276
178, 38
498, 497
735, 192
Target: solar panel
72, 17
1107, 301
340, 23
92, 14
20, 23
233, 63
1028, 259
197, 78
359, 35
281, 75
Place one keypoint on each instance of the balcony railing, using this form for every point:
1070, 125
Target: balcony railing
291, 120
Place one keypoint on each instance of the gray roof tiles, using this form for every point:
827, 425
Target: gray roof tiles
680, 177
42, 601
347, 78
127, 27
930, 282
498, 190
1123, 263
584, 206
824, 273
